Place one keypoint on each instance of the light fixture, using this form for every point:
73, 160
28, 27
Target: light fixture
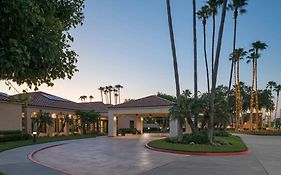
114, 118
141, 119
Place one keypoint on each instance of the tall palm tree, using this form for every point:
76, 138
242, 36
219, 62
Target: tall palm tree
105, 91
91, 98
203, 15
195, 58
213, 5
215, 73
270, 85
83, 98
119, 87
101, 89
110, 89
238, 7
277, 89
174, 53
254, 55
235, 58
115, 95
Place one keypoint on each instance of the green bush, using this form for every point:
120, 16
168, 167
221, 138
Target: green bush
127, 131
199, 138
15, 137
222, 133
8, 132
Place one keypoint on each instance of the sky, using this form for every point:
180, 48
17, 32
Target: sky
127, 42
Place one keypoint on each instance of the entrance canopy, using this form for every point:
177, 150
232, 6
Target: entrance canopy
147, 106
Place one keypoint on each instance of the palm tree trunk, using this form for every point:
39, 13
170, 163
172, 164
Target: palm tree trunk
195, 60
239, 96
233, 49
215, 73
252, 97
101, 96
277, 101
236, 95
206, 59
257, 93
213, 41
173, 47
119, 95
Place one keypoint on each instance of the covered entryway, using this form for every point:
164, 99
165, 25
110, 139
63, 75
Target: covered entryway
131, 114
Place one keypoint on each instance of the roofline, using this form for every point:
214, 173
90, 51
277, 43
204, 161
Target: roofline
113, 107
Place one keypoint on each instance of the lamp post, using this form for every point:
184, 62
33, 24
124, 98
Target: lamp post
34, 137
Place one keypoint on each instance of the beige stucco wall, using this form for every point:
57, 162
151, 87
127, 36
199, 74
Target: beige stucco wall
10, 116
124, 122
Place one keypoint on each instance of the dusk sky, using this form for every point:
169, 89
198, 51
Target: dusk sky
127, 42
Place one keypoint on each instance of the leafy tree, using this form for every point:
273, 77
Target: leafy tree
35, 40
167, 96
41, 119
87, 118
270, 85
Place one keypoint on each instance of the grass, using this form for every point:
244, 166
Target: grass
15, 144
237, 145
1, 173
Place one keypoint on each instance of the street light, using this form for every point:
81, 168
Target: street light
34, 137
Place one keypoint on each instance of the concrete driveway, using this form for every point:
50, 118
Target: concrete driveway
127, 155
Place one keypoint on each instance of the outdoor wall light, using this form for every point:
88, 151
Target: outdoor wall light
34, 137
114, 118
141, 119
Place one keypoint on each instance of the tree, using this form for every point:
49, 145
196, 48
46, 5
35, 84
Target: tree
195, 59
83, 98
167, 97
101, 89
238, 7
91, 98
35, 41
203, 15
109, 90
213, 5
277, 89
119, 87
235, 58
215, 73
64, 120
87, 118
115, 95
270, 85
176, 74
41, 119
253, 57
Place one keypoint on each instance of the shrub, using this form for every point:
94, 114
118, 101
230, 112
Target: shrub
8, 132
199, 138
221, 133
127, 131
15, 137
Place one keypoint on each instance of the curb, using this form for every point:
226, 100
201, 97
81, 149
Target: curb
31, 155
198, 153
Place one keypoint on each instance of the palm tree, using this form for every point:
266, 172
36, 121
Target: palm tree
277, 89
203, 15
105, 91
270, 85
238, 7
253, 57
213, 5
215, 73
119, 87
83, 98
115, 95
110, 89
195, 58
91, 98
101, 89
235, 58
174, 53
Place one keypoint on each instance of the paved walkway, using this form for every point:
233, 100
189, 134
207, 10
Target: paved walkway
127, 155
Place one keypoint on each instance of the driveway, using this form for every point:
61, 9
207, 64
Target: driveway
127, 155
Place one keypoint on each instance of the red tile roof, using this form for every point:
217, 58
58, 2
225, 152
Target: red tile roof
97, 106
150, 101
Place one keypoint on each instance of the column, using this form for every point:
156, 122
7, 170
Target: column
139, 121
174, 127
66, 129
187, 128
112, 128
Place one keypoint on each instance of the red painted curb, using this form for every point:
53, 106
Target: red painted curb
31, 154
198, 153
